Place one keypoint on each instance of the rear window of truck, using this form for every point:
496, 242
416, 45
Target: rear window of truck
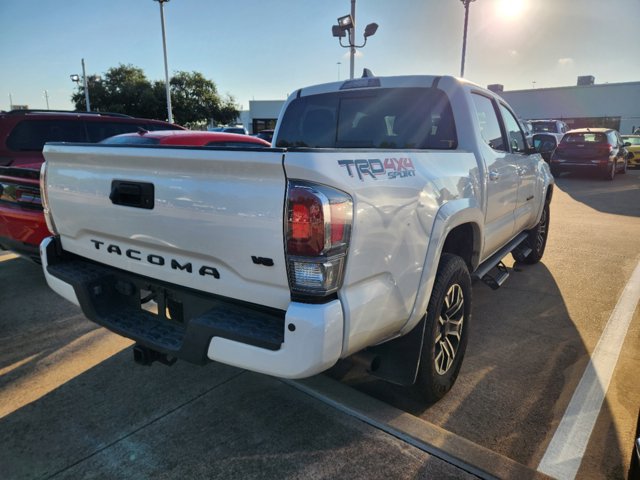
392, 118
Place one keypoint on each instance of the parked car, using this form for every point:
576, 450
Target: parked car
187, 138
549, 126
239, 129
545, 144
23, 134
633, 148
265, 135
361, 230
590, 149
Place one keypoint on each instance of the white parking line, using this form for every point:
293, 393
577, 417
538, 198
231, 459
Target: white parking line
566, 449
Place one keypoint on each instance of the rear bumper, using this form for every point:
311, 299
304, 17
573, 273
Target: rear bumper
196, 326
582, 165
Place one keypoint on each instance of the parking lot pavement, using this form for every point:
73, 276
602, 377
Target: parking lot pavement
74, 405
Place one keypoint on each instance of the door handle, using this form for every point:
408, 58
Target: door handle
494, 175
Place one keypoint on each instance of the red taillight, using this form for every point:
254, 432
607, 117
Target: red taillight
306, 222
317, 236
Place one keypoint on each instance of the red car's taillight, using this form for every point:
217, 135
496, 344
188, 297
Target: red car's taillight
318, 228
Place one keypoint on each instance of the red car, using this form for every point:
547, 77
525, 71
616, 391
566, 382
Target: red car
23, 133
188, 138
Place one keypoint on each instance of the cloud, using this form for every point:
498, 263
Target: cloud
565, 62
513, 53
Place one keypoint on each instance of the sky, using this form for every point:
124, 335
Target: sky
266, 49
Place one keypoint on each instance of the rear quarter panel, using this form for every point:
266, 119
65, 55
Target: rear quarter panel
395, 210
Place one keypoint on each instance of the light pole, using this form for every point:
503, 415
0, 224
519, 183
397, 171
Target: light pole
76, 78
166, 68
348, 24
464, 35
46, 96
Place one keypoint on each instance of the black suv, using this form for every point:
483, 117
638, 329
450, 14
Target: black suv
23, 133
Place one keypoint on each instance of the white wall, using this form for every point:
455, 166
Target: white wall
265, 108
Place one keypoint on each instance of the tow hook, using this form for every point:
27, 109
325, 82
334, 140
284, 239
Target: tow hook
146, 356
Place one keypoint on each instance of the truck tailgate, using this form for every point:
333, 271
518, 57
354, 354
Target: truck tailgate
212, 219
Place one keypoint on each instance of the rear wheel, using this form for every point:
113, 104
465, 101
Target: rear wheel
536, 240
446, 329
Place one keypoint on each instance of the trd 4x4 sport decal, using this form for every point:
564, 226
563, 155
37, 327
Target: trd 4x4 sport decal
390, 168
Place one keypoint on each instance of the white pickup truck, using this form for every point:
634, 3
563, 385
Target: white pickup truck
358, 233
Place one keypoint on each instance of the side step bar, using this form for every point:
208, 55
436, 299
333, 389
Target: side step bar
485, 271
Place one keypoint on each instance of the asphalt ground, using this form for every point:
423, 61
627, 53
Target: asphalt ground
531, 340
74, 405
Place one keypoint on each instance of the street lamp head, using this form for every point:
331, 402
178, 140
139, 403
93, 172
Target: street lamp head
338, 31
345, 22
75, 78
161, 1
370, 30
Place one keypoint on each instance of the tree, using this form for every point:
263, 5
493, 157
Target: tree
196, 99
123, 89
126, 89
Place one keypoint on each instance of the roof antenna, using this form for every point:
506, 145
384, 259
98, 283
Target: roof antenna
366, 73
142, 131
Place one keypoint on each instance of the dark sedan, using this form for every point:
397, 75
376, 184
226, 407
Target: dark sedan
591, 149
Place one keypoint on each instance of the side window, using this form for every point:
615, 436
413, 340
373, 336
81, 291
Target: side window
488, 122
514, 133
31, 135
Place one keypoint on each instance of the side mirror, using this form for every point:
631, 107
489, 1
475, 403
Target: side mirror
627, 144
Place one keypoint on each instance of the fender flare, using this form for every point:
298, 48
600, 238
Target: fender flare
449, 216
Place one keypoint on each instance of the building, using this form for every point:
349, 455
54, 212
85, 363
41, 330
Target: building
612, 105
262, 115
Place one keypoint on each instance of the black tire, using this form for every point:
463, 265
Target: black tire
446, 329
536, 240
555, 172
